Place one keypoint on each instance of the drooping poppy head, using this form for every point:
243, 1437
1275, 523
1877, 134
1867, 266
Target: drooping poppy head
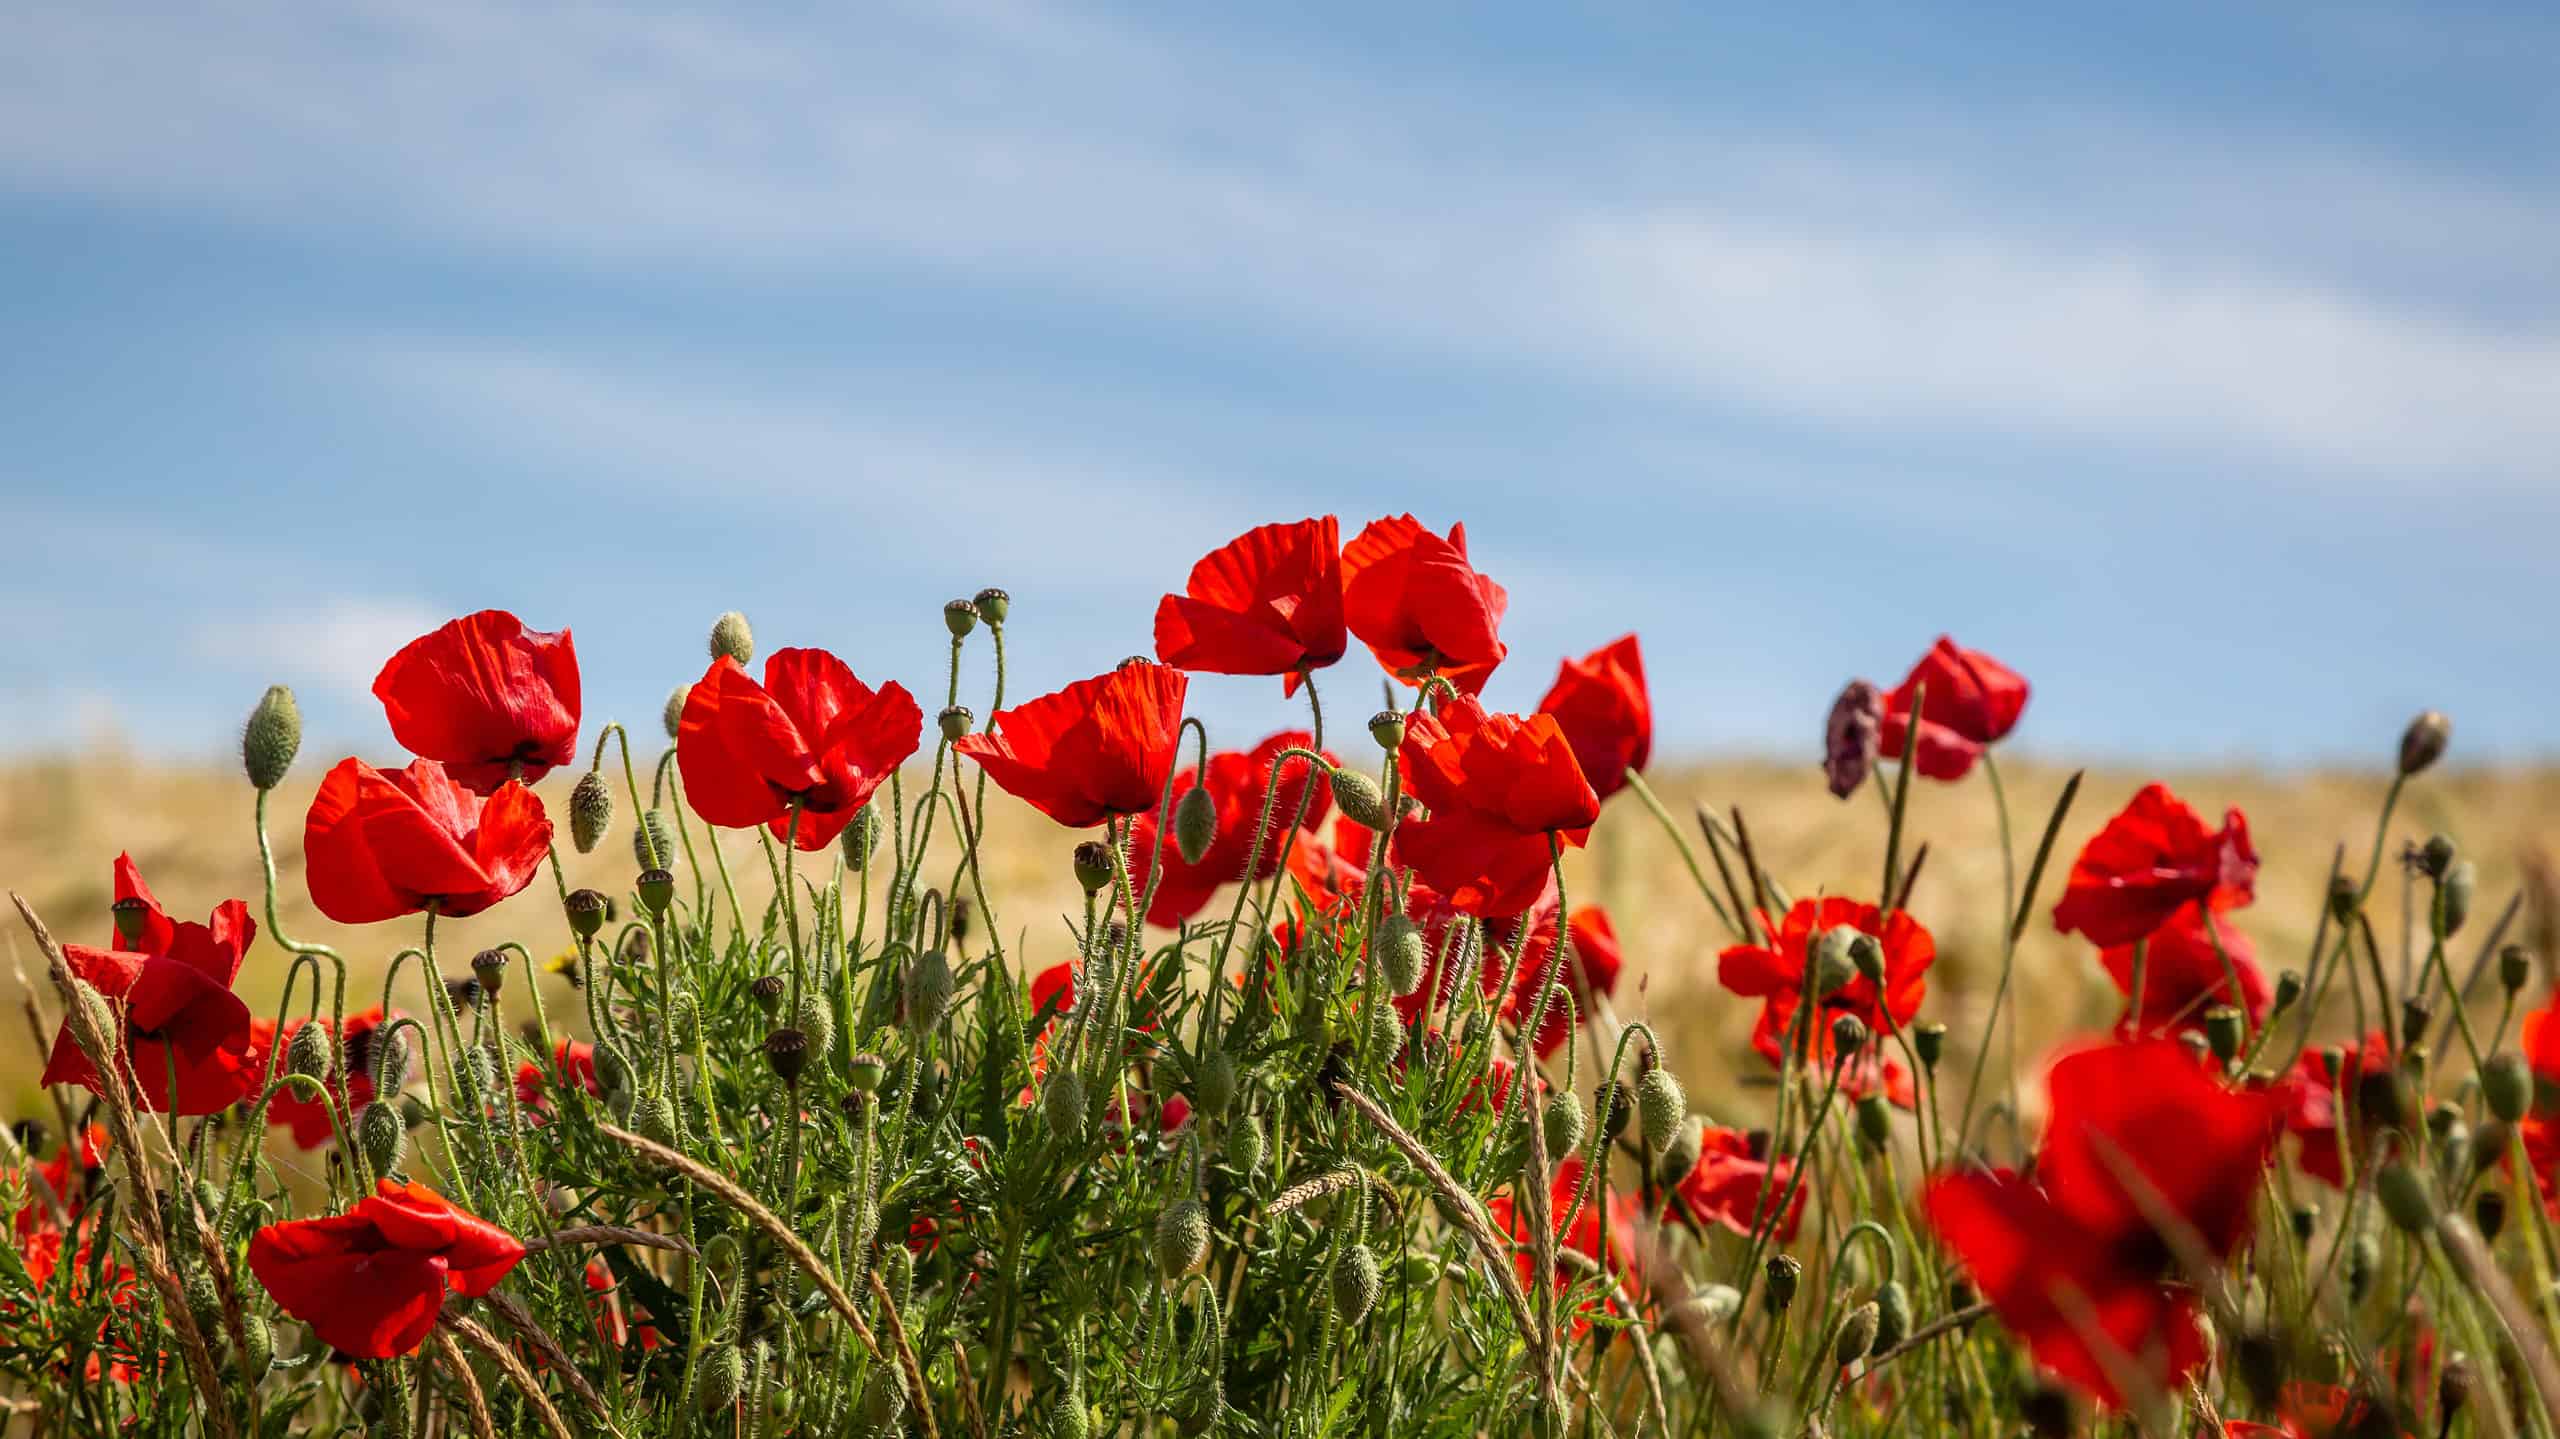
2183, 975
812, 735
172, 987
371, 1282
1497, 786
487, 697
1971, 704
2151, 859
1419, 606
1775, 973
1268, 602
1732, 1185
1239, 784
1601, 703
1094, 751
2075, 1261
379, 844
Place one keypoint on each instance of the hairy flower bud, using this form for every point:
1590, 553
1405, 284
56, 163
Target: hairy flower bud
1401, 951
1359, 798
723, 1380
1565, 1122
2404, 1197
1660, 1106
1093, 865
1062, 1105
1195, 824
1893, 1316
653, 843
590, 811
307, 1053
1875, 1122
1849, 737
1181, 1239
382, 1137
926, 987
814, 1018
1243, 1150
2423, 742
2453, 897
2506, 1083
672, 714
1355, 1285
1680, 1156
1609, 1099
271, 738
1856, 1335
731, 637
1215, 1085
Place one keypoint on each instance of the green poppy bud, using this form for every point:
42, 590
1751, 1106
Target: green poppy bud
1387, 728
590, 811
259, 1353
927, 990
1062, 1105
2404, 1197
382, 1138
1833, 964
1401, 952
654, 1119
1565, 1122
1420, 1270
271, 738
814, 1018
2515, 966
672, 716
723, 1380
1243, 1150
1386, 1033
1181, 1239
1875, 1122
860, 838
1070, 1419
307, 1053
2223, 1031
653, 844
1355, 1285
1856, 1335
2506, 1083
1929, 1041
2453, 897
1660, 1106
1680, 1157
1195, 824
1093, 865
731, 637
1216, 1083
884, 1398
2423, 742
1893, 1316
993, 605
1358, 797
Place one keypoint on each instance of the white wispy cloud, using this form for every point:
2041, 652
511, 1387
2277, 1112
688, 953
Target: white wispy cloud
1886, 284
337, 641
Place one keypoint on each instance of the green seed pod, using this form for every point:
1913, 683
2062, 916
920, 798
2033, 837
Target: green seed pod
1386, 1032
731, 637
860, 838
769, 991
1867, 953
1848, 1035
1216, 1083
1930, 1040
2453, 897
1893, 1316
1093, 865
2224, 1029
1069, 1419
1195, 824
1784, 1273
672, 716
308, 1052
271, 738
1875, 1122
204, 1300
1358, 797
1243, 1149
131, 914
993, 605
590, 811
586, 909
2506, 1083
2515, 966
1387, 728
926, 987
2436, 855
1660, 1106
955, 723
2489, 1212
865, 1072
382, 1137
650, 833
1565, 1122
787, 1051
2488, 1145
260, 1354
959, 617
2423, 742
1355, 1285
1680, 1157
2306, 1221
1062, 1105
653, 1118
1401, 952
1856, 1334
2288, 991
489, 971
1181, 1239
2405, 1198
723, 1380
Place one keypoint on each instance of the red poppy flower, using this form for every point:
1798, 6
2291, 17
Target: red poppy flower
1601, 704
2311, 1106
309, 1118
62, 1180
490, 699
574, 1061
1237, 783
1582, 1236
380, 844
2182, 975
1095, 750
2070, 1259
811, 734
2541, 1043
1496, 786
605, 1297
1268, 602
1413, 599
1591, 964
2307, 1411
1727, 1186
371, 1282
1438, 919
182, 1024
1775, 975
2541, 1136
2149, 861
114, 1351
1973, 701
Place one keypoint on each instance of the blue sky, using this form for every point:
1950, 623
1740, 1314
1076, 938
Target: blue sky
2201, 360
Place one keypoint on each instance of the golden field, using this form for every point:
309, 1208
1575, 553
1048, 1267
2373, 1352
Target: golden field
62, 822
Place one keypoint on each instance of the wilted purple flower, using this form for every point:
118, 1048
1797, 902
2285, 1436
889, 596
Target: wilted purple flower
1849, 738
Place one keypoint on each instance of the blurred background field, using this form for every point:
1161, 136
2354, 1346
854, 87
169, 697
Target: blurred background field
63, 820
